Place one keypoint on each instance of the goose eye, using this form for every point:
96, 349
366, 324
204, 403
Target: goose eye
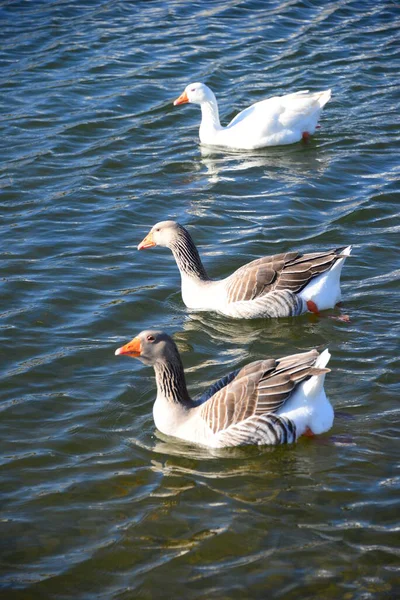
193, 90
150, 338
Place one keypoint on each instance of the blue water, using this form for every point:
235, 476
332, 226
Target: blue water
96, 504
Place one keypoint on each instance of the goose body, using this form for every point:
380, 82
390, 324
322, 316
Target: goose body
270, 401
282, 285
273, 122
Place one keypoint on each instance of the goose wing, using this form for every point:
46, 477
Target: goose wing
259, 389
269, 112
286, 111
290, 271
257, 277
297, 108
296, 274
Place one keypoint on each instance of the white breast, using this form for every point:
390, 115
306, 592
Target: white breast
203, 295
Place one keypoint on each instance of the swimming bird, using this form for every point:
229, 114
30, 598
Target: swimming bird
273, 122
282, 285
271, 401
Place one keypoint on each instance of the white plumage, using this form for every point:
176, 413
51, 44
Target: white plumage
273, 122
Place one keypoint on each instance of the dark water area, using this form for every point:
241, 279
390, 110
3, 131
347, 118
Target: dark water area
95, 504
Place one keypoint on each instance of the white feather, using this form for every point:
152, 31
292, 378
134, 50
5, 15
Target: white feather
308, 407
324, 290
275, 121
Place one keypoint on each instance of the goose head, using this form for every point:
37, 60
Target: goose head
150, 347
164, 234
195, 93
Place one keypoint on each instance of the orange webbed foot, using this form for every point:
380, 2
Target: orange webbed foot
309, 433
312, 307
343, 318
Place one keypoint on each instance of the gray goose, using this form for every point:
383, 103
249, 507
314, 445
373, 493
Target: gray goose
282, 285
270, 401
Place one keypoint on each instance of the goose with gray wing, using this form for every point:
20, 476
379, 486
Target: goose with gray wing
282, 285
270, 401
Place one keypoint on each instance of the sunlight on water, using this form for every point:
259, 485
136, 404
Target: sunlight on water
95, 503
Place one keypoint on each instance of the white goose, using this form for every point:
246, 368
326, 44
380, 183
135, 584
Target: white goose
282, 285
273, 122
266, 402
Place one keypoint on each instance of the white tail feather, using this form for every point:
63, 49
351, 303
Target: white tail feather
324, 98
308, 407
315, 384
324, 289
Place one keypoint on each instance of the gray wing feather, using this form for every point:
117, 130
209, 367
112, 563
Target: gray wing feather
267, 429
259, 389
291, 271
218, 385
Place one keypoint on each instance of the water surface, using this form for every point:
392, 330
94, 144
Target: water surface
95, 504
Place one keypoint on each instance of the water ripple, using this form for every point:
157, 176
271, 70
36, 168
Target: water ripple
96, 504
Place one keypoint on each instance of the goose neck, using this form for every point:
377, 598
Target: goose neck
210, 115
187, 256
171, 383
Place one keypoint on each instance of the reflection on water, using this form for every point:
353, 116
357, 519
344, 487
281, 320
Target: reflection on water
287, 164
278, 334
95, 503
193, 460
218, 327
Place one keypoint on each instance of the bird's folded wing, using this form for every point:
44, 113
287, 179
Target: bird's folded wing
291, 271
259, 388
295, 275
257, 277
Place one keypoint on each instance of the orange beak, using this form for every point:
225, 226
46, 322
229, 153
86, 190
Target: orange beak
133, 348
148, 242
183, 99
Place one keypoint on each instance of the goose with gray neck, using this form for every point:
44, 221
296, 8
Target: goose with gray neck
281, 285
271, 401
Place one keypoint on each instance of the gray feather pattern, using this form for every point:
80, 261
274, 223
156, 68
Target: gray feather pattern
268, 429
291, 271
267, 287
244, 408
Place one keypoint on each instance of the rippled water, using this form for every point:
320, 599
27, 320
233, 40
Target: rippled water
94, 503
